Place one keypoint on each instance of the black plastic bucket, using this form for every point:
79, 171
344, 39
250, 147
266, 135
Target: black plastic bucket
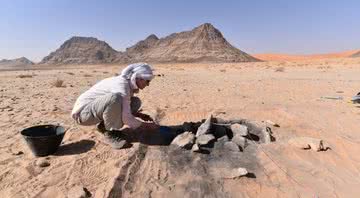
43, 140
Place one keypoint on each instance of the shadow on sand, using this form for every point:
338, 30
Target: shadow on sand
75, 148
161, 137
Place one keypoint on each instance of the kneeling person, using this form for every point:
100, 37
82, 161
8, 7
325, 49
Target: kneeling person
110, 104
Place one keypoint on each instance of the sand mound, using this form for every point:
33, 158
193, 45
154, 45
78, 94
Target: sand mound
288, 57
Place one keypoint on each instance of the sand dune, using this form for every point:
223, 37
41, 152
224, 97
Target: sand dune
288, 57
292, 96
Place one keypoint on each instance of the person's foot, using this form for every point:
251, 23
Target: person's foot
115, 139
101, 127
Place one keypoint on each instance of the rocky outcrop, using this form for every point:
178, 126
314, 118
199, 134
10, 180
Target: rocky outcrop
82, 50
357, 54
16, 62
204, 43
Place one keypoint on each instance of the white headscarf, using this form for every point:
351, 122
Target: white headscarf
137, 70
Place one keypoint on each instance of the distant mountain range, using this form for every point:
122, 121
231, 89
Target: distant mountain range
15, 62
204, 43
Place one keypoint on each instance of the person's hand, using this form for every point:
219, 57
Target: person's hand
144, 117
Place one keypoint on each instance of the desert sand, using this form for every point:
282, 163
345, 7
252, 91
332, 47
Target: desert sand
287, 57
293, 94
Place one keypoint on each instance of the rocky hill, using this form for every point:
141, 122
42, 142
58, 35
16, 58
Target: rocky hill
202, 44
82, 50
16, 62
357, 54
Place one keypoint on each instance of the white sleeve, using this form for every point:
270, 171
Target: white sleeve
127, 116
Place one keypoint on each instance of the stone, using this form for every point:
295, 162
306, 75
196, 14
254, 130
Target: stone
42, 163
220, 142
240, 141
239, 129
184, 140
205, 139
223, 139
266, 134
79, 192
272, 123
231, 146
195, 148
219, 131
204, 127
233, 173
18, 153
309, 143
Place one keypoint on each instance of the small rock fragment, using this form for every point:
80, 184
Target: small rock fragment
204, 127
195, 148
18, 153
240, 141
272, 123
266, 133
233, 173
231, 146
223, 139
79, 192
205, 139
239, 129
184, 140
42, 163
309, 143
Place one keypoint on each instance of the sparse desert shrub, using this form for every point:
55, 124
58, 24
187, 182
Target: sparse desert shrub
58, 83
87, 75
105, 72
25, 76
280, 69
223, 70
70, 73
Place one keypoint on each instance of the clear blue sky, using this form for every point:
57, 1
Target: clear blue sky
34, 28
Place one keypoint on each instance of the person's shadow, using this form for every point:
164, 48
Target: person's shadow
161, 137
74, 148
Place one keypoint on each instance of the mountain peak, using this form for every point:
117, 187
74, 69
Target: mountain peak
82, 50
22, 61
204, 43
209, 32
152, 37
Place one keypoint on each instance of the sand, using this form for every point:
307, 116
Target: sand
289, 93
288, 57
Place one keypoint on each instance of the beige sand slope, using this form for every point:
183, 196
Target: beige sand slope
291, 96
287, 57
